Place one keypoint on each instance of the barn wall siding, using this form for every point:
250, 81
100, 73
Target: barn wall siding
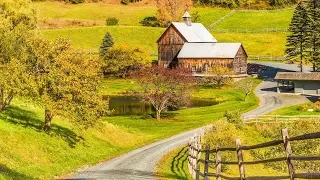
169, 45
240, 62
200, 64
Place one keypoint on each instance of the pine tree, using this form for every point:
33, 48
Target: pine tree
297, 40
313, 11
107, 43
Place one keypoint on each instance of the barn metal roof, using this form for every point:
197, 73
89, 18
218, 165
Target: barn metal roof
209, 50
194, 33
298, 76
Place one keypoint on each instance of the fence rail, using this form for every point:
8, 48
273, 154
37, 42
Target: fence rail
263, 30
265, 119
195, 158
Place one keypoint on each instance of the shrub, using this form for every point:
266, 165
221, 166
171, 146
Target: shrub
225, 134
151, 21
112, 21
234, 117
75, 1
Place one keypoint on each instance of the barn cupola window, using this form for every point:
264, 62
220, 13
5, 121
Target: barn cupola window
187, 19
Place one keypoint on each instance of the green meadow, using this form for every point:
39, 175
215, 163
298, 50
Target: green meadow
26, 152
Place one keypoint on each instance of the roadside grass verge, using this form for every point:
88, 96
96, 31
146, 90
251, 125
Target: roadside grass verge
174, 165
26, 152
90, 38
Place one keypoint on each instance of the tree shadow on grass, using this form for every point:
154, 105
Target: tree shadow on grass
28, 119
11, 174
178, 164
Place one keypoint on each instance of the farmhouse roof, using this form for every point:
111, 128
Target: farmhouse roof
193, 33
299, 76
209, 50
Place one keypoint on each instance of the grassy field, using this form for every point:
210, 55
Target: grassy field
255, 20
129, 15
26, 152
90, 38
293, 111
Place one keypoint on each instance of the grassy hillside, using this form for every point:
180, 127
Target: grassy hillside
26, 152
256, 20
129, 15
91, 38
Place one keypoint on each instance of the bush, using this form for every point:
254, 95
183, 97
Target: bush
234, 117
151, 21
112, 21
75, 1
225, 134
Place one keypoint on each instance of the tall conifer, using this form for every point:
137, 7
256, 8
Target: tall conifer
107, 43
313, 11
297, 40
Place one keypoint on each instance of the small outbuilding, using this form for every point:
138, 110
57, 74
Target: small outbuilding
301, 83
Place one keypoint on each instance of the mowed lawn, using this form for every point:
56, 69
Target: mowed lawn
26, 152
91, 38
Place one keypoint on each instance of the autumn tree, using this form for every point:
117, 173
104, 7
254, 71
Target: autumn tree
171, 10
17, 22
297, 39
246, 86
119, 60
65, 83
163, 87
219, 75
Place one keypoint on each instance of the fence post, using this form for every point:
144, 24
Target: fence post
218, 162
206, 164
240, 160
287, 148
197, 164
193, 159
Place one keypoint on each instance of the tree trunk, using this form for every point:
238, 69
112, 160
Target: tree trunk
47, 120
158, 114
5, 101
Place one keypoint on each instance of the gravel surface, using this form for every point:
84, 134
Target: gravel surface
139, 164
270, 100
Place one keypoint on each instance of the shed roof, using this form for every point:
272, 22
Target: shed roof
209, 50
299, 76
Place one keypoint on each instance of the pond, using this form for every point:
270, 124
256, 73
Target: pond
129, 105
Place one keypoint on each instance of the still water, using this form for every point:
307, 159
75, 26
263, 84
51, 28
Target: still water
129, 105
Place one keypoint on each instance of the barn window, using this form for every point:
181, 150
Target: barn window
194, 68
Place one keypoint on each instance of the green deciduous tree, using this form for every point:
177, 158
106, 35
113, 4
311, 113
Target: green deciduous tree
121, 59
65, 83
107, 43
297, 40
17, 22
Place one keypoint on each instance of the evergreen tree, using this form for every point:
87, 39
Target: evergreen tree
313, 11
107, 43
297, 40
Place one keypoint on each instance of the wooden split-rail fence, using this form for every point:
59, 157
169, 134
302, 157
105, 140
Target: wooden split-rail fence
195, 158
266, 119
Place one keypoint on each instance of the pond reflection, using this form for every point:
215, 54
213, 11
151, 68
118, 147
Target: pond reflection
129, 105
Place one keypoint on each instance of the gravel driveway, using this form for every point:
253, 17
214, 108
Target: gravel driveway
139, 164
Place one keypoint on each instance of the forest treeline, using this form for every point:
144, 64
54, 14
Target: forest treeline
246, 4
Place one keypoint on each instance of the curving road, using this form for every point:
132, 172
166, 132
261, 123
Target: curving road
141, 163
138, 164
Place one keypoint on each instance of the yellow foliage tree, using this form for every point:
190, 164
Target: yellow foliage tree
171, 10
